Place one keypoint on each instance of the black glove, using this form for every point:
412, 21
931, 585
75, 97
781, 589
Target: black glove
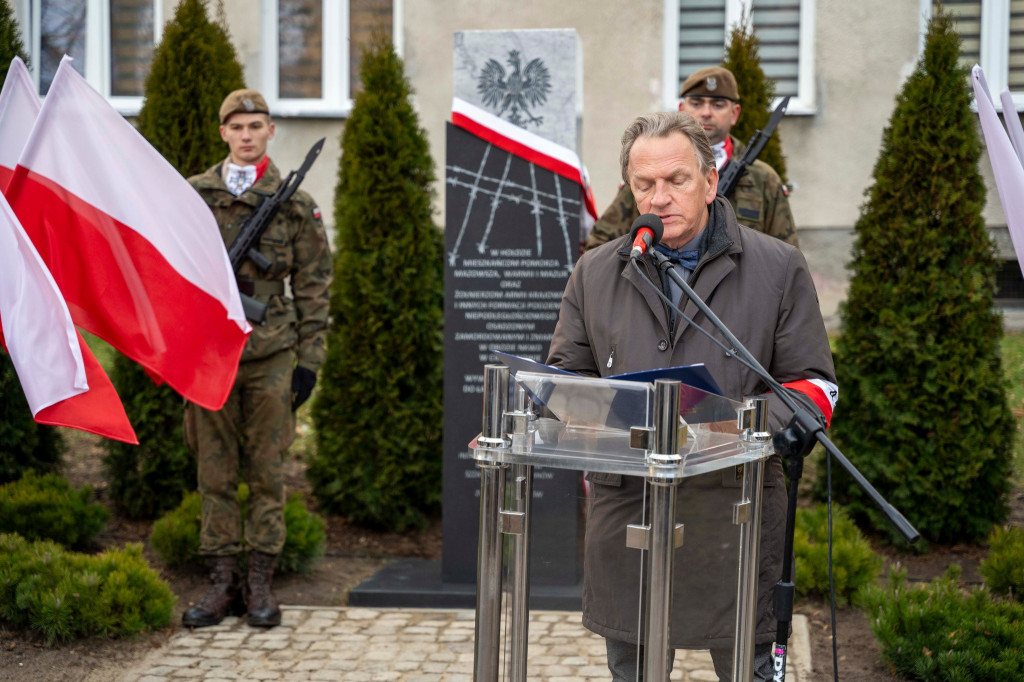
303, 381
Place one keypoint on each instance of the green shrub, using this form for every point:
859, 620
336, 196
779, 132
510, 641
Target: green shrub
147, 479
175, 536
65, 595
756, 90
937, 632
24, 444
1003, 568
378, 412
854, 563
923, 410
10, 40
48, 508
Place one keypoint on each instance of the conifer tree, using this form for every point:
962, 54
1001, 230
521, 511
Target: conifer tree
11, 45
194, 67
742, 57
922, 410
378, 411
23, 443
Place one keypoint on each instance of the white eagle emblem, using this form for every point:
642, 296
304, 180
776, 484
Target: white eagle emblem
529, 87
712, 83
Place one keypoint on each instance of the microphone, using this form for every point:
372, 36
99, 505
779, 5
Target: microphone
645, 233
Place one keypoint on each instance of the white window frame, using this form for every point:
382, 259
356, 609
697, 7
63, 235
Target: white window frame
805, 103
97, 46
995, 47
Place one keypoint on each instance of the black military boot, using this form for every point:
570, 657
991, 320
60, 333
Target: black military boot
222, 599
263, 609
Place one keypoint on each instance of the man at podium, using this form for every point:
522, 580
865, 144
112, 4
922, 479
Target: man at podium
612, 321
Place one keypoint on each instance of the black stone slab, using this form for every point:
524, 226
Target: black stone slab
511, 231
417, 583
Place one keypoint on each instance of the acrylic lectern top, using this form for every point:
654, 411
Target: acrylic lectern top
566, 421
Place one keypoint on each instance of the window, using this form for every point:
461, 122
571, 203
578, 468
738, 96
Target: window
111, 42
993, 36
310, 52
786, 30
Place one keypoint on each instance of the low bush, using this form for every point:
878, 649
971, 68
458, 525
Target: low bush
175, 536
47, 508
1003, 568
65, 595
854, 563
937, 632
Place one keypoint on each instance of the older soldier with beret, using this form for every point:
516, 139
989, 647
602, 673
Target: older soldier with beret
277, 372
760, 200
612, 321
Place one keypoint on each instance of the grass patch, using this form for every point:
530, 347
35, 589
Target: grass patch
1013, 368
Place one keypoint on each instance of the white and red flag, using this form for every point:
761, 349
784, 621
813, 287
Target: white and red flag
1006, 162
62, 381
532, 147
133, 248
19, 106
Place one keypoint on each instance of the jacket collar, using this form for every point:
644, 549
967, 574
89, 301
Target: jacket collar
213, 178
720, 244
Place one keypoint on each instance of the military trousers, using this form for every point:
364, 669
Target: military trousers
253, 430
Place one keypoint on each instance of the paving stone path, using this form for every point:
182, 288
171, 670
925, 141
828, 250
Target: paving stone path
407, 645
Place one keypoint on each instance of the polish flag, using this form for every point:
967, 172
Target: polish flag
133, 248
62, 381
19, 106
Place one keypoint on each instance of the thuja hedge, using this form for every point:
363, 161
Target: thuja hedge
378, 412
938, 632
24, 444
175, 536
65, 595
48, 508
923, 412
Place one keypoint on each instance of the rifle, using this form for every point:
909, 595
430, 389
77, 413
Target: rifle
243, 248
732, 171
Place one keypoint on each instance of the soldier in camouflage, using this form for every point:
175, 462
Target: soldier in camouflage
276, 374
759, 200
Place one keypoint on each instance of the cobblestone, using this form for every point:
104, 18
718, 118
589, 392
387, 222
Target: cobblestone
407, 645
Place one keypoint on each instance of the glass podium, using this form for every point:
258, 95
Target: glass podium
666, 432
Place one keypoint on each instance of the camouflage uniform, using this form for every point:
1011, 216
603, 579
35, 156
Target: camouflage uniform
759, 200
256, 423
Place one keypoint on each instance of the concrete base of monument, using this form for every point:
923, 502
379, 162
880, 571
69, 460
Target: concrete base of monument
417, 583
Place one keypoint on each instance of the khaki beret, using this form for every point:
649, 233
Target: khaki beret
243, 102
714, 81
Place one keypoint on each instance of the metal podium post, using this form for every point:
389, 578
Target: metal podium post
522, 498
662, 537
747, 514
488, 564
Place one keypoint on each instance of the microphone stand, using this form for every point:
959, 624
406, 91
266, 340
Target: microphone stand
793, 443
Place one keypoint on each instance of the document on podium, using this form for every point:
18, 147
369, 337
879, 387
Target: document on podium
696, 376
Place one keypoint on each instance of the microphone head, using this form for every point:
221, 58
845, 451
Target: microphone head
651, 222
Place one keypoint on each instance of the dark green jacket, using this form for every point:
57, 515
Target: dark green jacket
296, 244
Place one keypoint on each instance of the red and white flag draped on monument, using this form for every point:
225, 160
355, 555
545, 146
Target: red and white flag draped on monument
133, 248
63, 383
531, 147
